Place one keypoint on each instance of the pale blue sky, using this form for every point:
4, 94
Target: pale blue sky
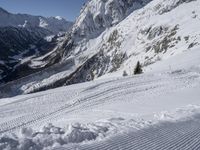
69, 9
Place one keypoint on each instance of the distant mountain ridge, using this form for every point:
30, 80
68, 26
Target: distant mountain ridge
24, 37
53, 24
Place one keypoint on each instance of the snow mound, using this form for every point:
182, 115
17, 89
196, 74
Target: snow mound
51, 137
178, 114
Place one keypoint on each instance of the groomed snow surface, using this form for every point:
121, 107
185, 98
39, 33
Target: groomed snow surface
156, 110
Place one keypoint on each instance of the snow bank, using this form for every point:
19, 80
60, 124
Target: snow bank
178, 114
51, 137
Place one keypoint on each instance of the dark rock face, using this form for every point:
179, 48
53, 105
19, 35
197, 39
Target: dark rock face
17, 47
22, 39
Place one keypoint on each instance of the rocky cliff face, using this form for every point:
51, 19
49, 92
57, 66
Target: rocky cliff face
18, 46
98, 15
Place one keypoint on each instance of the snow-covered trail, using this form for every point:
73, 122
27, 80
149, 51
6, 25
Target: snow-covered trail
164, 136
78, 102
147, 111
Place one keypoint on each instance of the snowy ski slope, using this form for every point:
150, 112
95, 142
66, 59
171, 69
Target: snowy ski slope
156, 110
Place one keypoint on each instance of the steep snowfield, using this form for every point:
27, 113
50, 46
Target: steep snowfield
157, 31
111, 109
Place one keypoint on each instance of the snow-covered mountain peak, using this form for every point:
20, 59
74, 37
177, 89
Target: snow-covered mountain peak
53, 24
3, 11
59, 18
97, 15
145, 31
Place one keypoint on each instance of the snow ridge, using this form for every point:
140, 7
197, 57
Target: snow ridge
52, 24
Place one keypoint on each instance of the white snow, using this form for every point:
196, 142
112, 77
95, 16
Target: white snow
113, 109
140, 34
43, 23
103, 108
59, 17
49, 38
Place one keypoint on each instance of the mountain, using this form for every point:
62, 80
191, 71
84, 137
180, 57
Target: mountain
145, 31
24, 37
98, 15
18, 46
53, 24
118, 110
106, 42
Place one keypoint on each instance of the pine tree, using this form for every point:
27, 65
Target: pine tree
138, 68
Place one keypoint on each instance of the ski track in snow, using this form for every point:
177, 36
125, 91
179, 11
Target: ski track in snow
39, 109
